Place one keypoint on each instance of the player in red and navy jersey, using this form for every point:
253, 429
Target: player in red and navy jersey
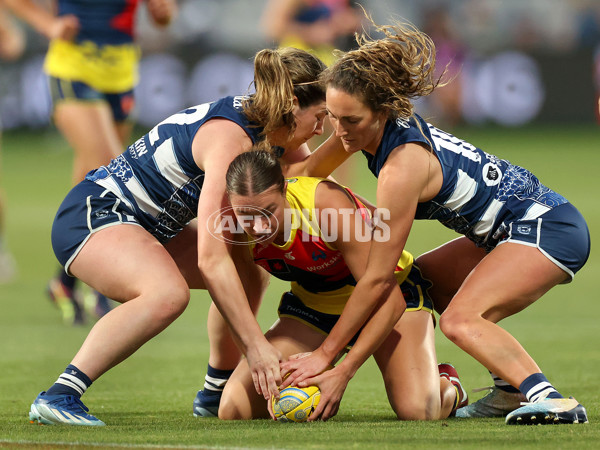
316, 234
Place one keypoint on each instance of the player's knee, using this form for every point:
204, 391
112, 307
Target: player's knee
170, 301
417, 409
229, 409
455, 324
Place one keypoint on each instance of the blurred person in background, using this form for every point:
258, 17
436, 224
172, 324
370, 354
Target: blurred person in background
319, 26
446, 103
316, 25
12, 44
92, 65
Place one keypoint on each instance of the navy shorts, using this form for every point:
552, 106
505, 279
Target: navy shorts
121, 104
87, 208
415, 289
561, 234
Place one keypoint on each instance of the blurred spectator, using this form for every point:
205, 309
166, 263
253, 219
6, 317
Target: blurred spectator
207, 29
318, 25
588, 19
446, 102
597, 80
12, 43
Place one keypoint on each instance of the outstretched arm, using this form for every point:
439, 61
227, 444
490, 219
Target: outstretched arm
43, 21
376, 285
215, 145
12, 40
376, 315
320, 163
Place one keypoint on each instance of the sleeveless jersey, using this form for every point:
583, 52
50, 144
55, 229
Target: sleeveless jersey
103, 53
156, 178
306, 258
479, 191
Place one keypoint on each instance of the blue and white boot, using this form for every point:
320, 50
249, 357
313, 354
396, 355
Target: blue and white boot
61, 409
206, 403
548, 411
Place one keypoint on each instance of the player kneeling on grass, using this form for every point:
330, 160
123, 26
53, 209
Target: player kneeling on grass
316, 234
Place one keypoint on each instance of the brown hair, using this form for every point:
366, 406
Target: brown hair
253, 172
279, 75
387, 73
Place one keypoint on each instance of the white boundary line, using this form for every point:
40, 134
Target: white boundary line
115, 445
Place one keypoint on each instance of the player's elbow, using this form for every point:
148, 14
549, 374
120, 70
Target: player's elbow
208, 261
380, 287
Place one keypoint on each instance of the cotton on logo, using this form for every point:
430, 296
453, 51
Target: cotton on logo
224, 225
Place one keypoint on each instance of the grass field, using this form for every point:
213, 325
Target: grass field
146, 401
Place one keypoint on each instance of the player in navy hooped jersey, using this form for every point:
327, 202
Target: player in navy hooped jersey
128, 229
514, 227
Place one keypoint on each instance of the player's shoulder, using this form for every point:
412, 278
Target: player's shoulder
329, 194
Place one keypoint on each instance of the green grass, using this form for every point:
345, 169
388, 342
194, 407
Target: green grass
146, 401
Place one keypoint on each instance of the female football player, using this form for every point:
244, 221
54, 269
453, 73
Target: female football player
128, 231
92, 65
520, 237
315, 233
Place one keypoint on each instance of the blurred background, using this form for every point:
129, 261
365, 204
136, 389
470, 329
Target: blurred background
525, 81
512, 62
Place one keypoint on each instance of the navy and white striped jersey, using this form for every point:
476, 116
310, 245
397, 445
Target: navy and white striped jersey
156, 178
481, 194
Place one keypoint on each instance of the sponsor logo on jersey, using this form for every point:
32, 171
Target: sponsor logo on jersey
402, 123
334, 259
278, 266
138, 148
318, 255
491, 174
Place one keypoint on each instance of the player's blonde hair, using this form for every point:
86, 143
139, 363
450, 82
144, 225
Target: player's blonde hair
279, 76
387, 73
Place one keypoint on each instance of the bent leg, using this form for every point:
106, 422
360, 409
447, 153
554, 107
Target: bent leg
509, 279
408, 364
127, 264
447, 267
90, 130
240, 400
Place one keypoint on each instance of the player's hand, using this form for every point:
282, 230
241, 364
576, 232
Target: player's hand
162, 11
332, 384
263, 360
64, 27
270, 409
302, 367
